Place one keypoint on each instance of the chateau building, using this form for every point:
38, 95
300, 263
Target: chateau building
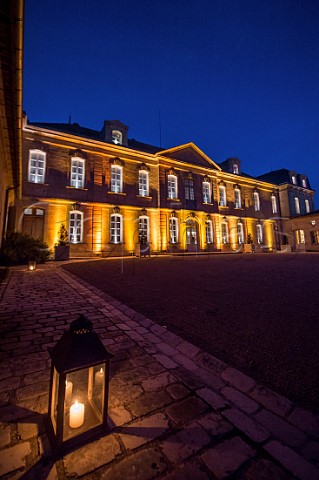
112, 193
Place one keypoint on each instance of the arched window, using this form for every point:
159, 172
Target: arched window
240, 233
224, 232
172, 186
209, 232
143, 229
237, 194
76, 227
143, 183
117, 137
207, 196
222, 196
256, 201
116, 228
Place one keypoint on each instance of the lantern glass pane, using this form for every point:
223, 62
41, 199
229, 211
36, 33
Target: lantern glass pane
84, 400
54, 402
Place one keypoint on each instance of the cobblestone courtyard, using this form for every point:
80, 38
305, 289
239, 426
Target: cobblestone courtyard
258, 313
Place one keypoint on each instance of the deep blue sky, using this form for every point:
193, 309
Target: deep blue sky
238, 78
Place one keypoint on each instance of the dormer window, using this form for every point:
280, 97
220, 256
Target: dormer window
235, 169
294, 179
304, 183
117, 137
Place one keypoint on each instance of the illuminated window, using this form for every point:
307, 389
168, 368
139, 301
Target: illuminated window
222, 196
143, 187
117, 137
274, 204
237, 198
240, 232
37, 160
172, 186
224, 232
189, 189
207, 196
314, 236
293, 179
235, 169
259, 233
256, 201
304, 183
300, 236
173, 229
209, 231
297, 206
116, 179
75, 227
307, 205
143, 229
77, 173
116, 228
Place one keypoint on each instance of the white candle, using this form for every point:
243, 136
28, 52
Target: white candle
99, 376
76, 415
68, 390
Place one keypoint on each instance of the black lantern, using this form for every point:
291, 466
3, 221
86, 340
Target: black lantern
79, 385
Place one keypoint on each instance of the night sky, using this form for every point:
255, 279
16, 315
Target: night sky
237, 78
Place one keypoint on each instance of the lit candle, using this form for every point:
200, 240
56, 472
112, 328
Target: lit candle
31, 267
99, 376
68, 390
76, 415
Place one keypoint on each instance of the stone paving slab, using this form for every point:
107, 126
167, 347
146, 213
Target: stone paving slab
175, 412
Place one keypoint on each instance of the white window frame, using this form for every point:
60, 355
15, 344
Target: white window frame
304, 183
172, 186
76, 226
256, 201
235, 169
144, 227
224, 233
274, 204
116, 179
240, 233
207, 193
300, 237
260, 235
143, 183
307, 205
237, 193
294, 179
37, 166
297, 205
116, 228
209, 232
222, 196
77, 172
117, 137
173, 230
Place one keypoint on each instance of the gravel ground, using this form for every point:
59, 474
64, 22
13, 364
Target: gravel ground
259, 313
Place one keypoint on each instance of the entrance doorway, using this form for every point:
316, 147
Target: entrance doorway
33, 222
191, 235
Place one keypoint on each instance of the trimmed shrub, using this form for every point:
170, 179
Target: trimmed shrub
18, 248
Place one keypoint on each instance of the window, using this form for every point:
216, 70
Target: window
256, 201
77, 173
189, 189
75, 227
224, 232
300, 236
143, 183
36, 166
240, 232
259, 233
307, 205
143, 229
117, 137
304, 183
173, 229
274, 204
116, 228
116, 179
293, 179
235, 169
237, 198
222, 196
209, 231
297, 206
207, 196
172, 186
314, 236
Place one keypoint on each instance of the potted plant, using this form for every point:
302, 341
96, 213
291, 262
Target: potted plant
62, 249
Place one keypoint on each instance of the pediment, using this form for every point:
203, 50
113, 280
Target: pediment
189, 153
